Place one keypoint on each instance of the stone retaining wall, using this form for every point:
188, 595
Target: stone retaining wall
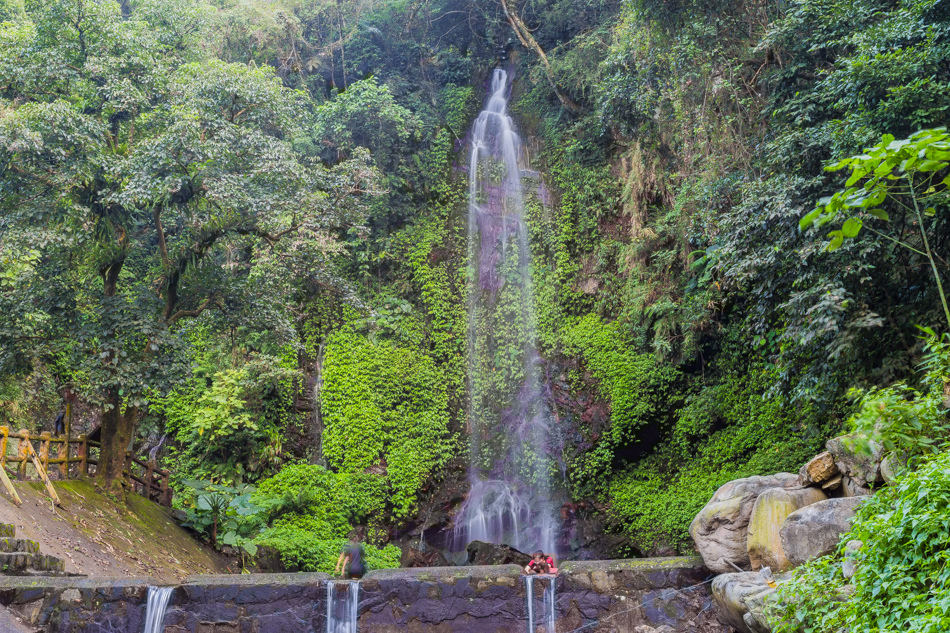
635, 596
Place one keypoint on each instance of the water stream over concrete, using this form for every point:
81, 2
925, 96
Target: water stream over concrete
158, 598
342, 606
512, 450
546, 618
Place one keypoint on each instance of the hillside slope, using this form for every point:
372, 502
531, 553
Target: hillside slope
101, 538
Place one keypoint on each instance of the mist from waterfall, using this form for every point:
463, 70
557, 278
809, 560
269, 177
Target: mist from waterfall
512, 451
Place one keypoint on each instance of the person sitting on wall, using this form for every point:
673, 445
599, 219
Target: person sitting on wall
350, 563
540, 564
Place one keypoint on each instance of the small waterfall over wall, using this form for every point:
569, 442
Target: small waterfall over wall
342, 606
512, 450
158, 598
545, 617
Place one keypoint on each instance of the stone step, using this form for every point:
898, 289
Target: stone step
18, 564
13, 545
7, 530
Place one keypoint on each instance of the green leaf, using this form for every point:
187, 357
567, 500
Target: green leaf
857, 175
851, 227
880, 214
809, 218
837, 238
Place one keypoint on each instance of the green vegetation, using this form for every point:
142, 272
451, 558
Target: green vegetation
242, 225
901, 583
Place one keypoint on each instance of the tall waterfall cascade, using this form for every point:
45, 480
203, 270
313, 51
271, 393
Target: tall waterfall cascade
513, 452
546, 618
342, 606
155, 608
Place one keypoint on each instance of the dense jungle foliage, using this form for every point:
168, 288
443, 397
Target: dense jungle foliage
241, 225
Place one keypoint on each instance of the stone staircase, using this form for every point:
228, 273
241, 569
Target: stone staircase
21, 557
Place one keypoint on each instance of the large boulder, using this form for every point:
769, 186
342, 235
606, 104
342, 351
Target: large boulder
720, 530
891, 466
733, 594
815, 530
819, 470
858, 457
481, 553
773, 506
412, 557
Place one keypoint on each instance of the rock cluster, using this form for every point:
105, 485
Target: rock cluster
783, 520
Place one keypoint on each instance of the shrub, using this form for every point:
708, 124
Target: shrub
902, 582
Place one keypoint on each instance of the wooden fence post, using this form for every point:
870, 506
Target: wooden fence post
64, 455
42, 473
24, 454
128, 475
5, 431
84, 456
149, 471
165, 497
44, 449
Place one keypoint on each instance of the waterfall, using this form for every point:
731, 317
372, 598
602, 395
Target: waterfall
342, 613
548, 616
513, 451
158, 598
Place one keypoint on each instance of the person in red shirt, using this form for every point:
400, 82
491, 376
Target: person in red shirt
540, 564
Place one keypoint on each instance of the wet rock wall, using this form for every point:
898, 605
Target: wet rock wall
636, 596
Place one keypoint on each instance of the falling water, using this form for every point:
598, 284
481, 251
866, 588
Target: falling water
510, 500
342, 611
547, 601
158, 598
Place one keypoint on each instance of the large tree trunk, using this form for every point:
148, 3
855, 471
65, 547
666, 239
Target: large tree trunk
118, 426
118, 429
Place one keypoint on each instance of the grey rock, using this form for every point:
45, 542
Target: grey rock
815, 530
732, 594
769, 513
891, 466
858, 457
480, 553
850, 564
850, 488
720, 530
834, 483
820, 469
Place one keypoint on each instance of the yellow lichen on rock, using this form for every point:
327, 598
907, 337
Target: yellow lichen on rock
764, 542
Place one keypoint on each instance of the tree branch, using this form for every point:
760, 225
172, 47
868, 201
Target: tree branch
193, 313
157, 215
528, 41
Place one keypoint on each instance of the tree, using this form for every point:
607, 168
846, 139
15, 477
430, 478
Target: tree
150, 185
910, 174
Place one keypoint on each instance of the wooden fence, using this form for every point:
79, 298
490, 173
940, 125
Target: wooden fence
141, 476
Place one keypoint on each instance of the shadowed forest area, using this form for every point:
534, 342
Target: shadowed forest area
234, 233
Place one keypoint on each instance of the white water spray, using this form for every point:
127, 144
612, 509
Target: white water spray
512, 450
342, 607
158, 598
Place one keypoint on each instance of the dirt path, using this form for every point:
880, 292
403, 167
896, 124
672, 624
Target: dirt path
101, 538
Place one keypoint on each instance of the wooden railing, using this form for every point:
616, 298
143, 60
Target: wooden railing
141, 476
150, 482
